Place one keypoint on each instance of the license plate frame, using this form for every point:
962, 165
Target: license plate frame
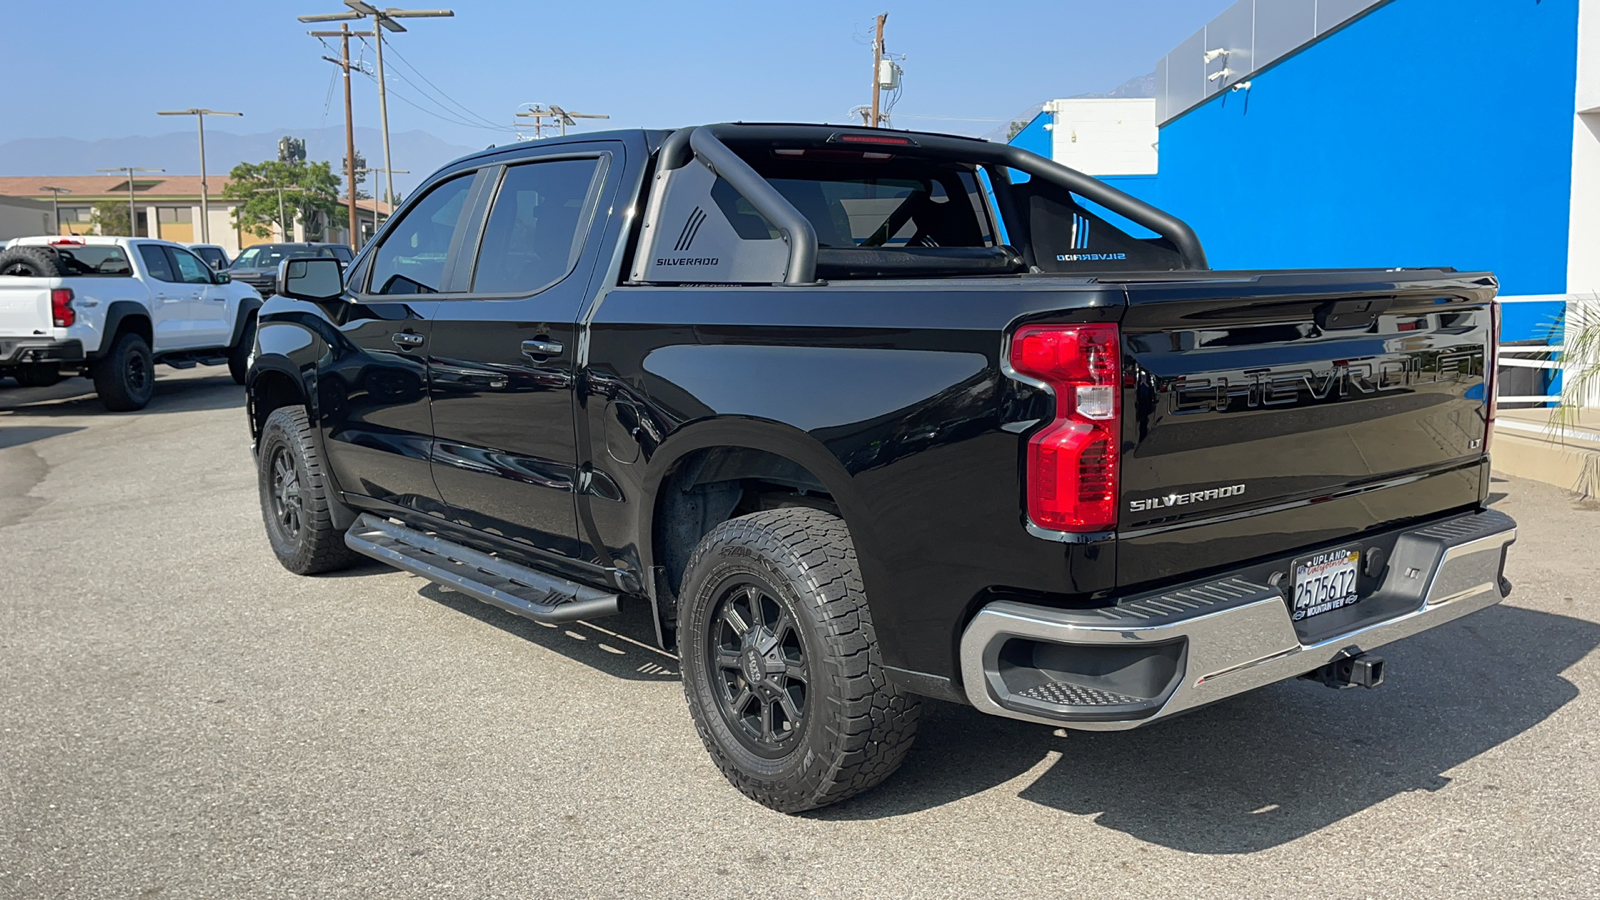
1324, 582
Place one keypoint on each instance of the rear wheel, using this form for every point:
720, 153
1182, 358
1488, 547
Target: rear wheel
125, 379
39, 375
781, 666
296, 498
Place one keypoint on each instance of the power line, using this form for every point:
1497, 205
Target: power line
448, 114
443, 117
418, 72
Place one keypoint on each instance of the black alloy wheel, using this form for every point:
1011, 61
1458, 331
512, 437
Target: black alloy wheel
288, 508
760, 663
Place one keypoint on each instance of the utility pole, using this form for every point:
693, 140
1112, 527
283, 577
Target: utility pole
384, 18
343, 62
566, 118
55, 211
563, 118
538, 114
133, 216
205, 201
877, 59
375, 222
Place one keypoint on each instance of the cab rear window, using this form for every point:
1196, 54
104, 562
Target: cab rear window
86, 260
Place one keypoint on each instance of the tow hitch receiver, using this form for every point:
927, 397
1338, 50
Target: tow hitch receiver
1350, 671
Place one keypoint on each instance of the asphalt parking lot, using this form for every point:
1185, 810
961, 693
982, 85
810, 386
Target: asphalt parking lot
179, 717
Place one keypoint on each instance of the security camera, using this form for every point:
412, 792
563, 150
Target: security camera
1220, 73
1211, 55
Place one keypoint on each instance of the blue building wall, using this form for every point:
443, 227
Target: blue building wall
1429, 132
1035, 138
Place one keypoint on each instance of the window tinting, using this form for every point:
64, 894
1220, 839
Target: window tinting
411, 259
92, 260
213, 256
535, 229
156, 261
189, 267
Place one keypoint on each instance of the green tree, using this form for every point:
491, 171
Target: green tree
308, 192
1015, 128
111, 217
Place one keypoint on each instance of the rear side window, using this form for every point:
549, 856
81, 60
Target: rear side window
87, 261
156, 262
536, 226
412, 257
936, 210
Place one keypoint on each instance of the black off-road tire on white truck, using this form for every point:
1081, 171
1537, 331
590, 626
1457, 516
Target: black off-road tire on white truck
38, 374
297, 496
125, 378
30, 262
781, 665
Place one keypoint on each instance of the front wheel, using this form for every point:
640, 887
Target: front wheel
781, 665
296, 498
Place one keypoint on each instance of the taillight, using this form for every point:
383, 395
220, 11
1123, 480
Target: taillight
61, 311
1491, 373
1073, 462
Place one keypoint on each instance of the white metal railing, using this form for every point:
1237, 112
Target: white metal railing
1508, 355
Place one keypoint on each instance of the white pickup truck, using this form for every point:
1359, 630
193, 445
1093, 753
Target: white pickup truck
111, 308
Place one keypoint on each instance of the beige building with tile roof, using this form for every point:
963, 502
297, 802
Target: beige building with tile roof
170, 202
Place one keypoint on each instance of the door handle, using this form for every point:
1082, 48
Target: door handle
541, 348
405, 340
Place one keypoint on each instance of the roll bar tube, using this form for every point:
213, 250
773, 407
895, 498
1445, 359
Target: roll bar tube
705, 144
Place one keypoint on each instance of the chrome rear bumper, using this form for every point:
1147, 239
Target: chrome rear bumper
1152, 656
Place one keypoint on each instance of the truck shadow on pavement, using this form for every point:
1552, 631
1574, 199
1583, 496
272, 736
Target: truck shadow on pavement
76, 397
1270, 767
622, 646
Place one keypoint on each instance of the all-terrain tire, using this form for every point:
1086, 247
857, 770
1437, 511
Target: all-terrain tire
39, 375
239, 353
853, 727
296, 497
30, 262
125, 378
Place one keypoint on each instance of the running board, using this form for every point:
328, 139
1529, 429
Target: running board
514, 588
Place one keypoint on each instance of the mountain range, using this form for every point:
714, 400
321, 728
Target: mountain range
178, 152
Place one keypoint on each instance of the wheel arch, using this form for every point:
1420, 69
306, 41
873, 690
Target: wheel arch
717, 453
249, 308
123, 316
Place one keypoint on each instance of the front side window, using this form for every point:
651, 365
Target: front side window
412, 256
189, 267
535, 229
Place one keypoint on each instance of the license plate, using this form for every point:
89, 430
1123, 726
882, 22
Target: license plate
1325, 582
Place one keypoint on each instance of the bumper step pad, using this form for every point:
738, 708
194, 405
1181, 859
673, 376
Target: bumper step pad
512, 587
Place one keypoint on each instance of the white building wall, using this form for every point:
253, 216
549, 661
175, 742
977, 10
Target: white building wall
1583, 242
1583, 247
1104, 136
23, 218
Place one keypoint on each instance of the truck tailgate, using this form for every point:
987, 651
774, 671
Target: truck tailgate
1274, 413
24, 306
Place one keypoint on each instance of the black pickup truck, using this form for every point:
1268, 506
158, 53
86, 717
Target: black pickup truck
868, 415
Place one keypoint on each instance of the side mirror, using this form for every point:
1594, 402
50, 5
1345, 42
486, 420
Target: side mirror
221, 277
314, 280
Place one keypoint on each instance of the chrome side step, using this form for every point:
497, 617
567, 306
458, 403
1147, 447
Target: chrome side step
512, 587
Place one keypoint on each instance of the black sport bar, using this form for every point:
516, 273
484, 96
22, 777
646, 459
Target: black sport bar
707, 144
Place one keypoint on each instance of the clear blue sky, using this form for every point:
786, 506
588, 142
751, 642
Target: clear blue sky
102, 68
